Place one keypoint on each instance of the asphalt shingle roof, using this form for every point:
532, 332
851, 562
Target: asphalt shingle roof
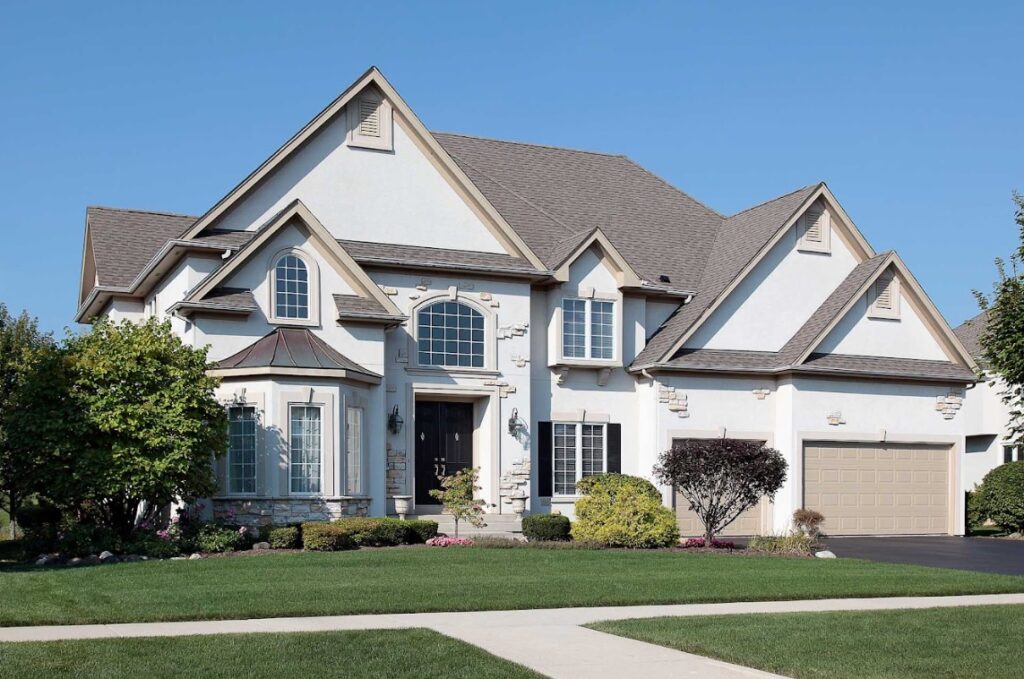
355, 307
969, 333
124, 241
292, 348
416, 256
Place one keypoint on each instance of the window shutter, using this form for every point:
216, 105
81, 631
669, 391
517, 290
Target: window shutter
545, 469
369, 117
814, 225
614, 448
883, 292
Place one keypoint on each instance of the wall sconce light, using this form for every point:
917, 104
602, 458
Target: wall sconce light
395, 421
514, 425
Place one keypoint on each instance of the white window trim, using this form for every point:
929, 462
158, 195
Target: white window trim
1017, 455
824, 246
361, 490
256, 442
578, 426
312, 271
323, 444
384, 142
588, 340
490, 337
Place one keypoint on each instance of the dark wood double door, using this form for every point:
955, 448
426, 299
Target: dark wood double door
444, 444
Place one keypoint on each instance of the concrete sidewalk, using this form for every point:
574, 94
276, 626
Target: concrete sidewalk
550, 641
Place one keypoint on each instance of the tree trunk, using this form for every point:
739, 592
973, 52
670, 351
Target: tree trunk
13, 515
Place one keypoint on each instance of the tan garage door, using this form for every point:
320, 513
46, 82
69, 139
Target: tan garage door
874, 489
750, 522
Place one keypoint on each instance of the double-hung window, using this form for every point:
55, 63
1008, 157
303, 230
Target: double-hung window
241, 449
578, 450
588, 328
305, 447
354, 451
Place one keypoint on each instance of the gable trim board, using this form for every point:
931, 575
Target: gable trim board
847, 231
328, 246
624, 274
402, 114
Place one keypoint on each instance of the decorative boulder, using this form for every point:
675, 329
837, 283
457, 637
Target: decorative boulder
825, 554
261, 546
195, 556
108, 557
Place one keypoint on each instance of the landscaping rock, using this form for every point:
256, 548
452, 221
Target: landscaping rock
825, 554
179, 558
131, 558
48, 560
195, 556
261, 546
77, 561
108, 557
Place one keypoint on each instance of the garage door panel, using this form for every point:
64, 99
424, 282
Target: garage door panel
877, 489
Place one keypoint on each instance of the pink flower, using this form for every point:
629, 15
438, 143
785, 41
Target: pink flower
445, 541
243, 530
164, 534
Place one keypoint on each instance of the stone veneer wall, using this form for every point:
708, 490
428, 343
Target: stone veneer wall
282, 511
396, 472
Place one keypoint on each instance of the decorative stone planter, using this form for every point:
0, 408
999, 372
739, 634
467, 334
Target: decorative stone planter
519, 505
401, 505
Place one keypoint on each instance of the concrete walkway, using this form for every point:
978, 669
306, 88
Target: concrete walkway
550, 641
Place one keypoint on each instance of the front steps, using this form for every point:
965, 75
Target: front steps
498, 526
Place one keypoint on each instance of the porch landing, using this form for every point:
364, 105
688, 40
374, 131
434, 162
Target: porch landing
498, 526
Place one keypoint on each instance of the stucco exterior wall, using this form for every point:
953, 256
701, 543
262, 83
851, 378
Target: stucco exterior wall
906, 337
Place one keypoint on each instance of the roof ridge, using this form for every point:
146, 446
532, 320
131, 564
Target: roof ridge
673, 186
282, 341
527, 143
164, 213
525, 200
772, 200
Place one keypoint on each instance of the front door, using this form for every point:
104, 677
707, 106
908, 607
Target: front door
444, 444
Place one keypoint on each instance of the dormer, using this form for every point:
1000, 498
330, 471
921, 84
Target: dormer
370, 121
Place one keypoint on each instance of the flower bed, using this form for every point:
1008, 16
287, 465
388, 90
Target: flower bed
445, 541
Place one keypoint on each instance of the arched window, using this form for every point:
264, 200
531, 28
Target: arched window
291, 288
450, 334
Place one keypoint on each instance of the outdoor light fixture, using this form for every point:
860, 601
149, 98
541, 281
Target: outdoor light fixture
395, 421
513, 423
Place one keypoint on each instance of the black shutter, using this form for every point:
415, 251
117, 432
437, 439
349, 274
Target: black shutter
614, 448
545, 470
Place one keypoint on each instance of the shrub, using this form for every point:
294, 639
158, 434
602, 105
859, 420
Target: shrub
375, 532
1001, 497
549, 527
808, 521
445, 541
623, 511
420, 530
284, 537
148, 543
215, 538
326, 537
721, 478
83, 539
798, 544
699, 543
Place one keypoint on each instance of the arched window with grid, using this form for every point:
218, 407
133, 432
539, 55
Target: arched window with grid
450, 334
291, 288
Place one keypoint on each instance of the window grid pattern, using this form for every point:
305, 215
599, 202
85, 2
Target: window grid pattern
241, 449
574, 328
450, 334
564, 458
305, 448
592, 450
291, 288
354, 451
578, 451
588, 328
601, 329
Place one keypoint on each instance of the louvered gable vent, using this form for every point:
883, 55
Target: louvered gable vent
369, 117
885, 296
815, 230
370, 121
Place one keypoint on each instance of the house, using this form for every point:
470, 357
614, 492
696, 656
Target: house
988, 443
386, 304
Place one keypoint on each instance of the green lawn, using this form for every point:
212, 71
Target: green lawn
978, 641
380, 653
426, 579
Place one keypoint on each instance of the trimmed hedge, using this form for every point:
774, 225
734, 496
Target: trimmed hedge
420, 530
326, 537
388, 532
1001, 497
546, 527
285, 537
623, 511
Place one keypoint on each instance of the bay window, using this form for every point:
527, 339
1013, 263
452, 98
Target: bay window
241, 465
305, 448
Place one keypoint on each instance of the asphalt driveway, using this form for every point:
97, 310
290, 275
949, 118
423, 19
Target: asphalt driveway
988, 555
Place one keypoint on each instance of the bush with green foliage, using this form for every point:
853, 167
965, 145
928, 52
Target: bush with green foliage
375, 532
547, 527
795, 544
326, 537
623, 511
285, 537
212, 537
1000, 498
458, 495
420, 530
148, 543
83, 539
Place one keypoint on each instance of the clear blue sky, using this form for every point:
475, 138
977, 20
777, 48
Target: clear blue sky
910, 111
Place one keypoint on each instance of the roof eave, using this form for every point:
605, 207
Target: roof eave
326, 373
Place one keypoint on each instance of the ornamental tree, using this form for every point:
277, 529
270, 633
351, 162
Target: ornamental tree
457, 495
1002, 342
721, 478
151, 423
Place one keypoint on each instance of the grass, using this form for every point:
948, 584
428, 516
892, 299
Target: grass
976, 641
419, 653
455, 579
